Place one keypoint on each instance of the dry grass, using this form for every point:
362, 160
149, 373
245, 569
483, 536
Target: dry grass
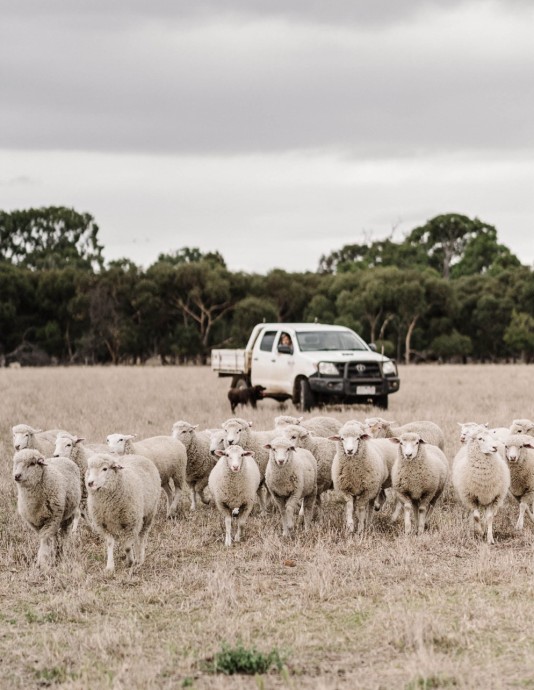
388, 611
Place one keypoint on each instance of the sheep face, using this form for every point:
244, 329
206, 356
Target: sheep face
235, 429
117, 442
408, 445
522, 426
183, 431
280, 451
100, 471
350, 436
23, 436
217, 437
514, 445
295, 433
65, 445
377, 427
286, 420
234, 457
469, 430
28, 467
485, 442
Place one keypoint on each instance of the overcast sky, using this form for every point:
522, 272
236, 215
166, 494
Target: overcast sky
272, 131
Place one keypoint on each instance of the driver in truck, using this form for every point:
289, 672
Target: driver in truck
285, 339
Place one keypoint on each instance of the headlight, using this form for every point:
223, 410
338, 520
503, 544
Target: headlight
328, 369
389, 368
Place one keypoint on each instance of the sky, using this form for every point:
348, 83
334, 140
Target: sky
272, 131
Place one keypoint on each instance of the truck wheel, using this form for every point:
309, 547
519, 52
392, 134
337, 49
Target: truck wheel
240, 381
381, 401
306, 398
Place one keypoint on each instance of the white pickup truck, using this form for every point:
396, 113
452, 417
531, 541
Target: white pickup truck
310, 363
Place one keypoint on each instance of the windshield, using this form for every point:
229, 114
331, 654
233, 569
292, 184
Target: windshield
311, 341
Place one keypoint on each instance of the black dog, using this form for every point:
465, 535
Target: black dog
245, 396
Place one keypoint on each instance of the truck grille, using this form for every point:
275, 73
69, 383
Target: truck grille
363, 370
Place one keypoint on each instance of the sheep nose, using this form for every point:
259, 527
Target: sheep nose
56, 455
17, 446
91, 483
18, 477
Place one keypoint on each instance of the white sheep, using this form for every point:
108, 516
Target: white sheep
25, 436
469, 429
291, 477
519, 452
72, 447
233, 483
500, 433
481, 479
200, 460
358, 472
168, 455
48, 498
418, 477
238, 432
323, 450
320, 426
122, 500
521, 426
217, 437
429, 432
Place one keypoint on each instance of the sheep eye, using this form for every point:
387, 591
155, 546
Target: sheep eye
104, 469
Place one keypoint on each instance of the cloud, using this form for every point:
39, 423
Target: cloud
376, 79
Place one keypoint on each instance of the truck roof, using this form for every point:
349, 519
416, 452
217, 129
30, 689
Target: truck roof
305, 326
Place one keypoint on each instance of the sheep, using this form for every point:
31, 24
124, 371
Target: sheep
233, 483
168, 455
291, 477
200, 461
321, 448
25, 436
418, 477
48, 499
216, 437
238, 432
245, 396
122, 499
481, 479
500, 433
521, 426
429, 432
320, 426
358, 472
70, 446
519, 450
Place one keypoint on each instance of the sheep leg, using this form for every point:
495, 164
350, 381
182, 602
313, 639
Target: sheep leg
361, 515
308, 504
477, 527
397, 511
169, 493
46, 552
524, 508
380, 500
349, 512
291, 507
110, 542
129, 551
422, 514
407, 517
193, 497
228, 529
262, 497
490, 512
143, 535
243, 516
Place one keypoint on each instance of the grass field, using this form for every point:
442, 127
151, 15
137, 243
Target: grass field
387, 611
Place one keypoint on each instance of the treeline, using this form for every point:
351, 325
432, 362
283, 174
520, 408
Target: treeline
448, 290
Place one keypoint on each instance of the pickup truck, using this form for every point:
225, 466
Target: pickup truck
310, 363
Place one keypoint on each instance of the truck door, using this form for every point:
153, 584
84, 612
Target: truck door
263, 359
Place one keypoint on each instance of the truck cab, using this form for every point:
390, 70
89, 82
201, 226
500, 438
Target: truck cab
311, 364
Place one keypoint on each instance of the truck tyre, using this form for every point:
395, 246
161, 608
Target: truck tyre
306, 399
381, 401
240, 381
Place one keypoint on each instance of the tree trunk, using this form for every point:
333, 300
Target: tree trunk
407, 342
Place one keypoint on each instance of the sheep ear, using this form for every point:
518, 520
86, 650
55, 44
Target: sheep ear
486, 424
41, 461
250, 423
248, 453
334, 438
530, 444
365, 437
78, 440
394, 439
422, 440
130, 437
299, 419
268, 446
195, 426
220, 453
292, 448
116, 466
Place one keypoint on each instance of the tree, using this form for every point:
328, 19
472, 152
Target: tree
52, 237
446, 237
519, 335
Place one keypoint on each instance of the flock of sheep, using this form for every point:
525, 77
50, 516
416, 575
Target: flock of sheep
117, 487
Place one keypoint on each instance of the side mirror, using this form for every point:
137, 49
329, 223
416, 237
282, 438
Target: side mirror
285, 349
372, 347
